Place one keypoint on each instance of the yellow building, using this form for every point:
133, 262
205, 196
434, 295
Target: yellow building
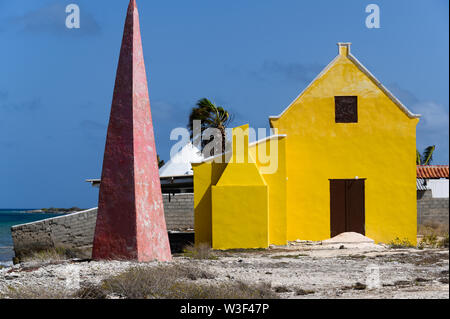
345, 161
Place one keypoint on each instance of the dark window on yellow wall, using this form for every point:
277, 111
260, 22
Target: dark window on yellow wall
346, 109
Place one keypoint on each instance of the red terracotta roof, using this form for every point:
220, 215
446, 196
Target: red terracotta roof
432, 171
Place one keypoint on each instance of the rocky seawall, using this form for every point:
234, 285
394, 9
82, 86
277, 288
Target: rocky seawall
75, 231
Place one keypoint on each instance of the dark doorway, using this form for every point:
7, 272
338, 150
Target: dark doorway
347, 208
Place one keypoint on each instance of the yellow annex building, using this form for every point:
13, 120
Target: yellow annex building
345, 161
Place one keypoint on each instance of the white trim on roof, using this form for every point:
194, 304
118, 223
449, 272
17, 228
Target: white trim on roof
271, 137
325, 70
363, 69
382, 87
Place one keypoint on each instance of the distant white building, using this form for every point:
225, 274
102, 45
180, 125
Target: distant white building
434, 178
176, 175
432, 195
180, 163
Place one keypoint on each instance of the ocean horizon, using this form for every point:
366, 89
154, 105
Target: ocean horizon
10, 217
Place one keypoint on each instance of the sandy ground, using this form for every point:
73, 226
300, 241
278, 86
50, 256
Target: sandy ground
300, 270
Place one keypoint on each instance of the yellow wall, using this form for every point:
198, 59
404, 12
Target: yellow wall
380, 147
235, 206
240, 206
205, 175
276, 183
240, 217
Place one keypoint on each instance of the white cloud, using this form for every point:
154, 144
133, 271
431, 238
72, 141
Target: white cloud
434, 116
433, 125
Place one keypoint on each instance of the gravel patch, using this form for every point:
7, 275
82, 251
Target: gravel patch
300, 270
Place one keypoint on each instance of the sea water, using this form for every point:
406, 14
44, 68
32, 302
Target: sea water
11, 217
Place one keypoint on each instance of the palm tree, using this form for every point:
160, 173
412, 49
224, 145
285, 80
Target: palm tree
211, 116
426, 157
160, 161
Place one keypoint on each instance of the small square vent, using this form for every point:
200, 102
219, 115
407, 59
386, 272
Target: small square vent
346, 109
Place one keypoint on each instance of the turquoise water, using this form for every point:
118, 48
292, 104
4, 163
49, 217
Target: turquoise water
11, 217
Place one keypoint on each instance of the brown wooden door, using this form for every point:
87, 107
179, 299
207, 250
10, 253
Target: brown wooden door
347, 208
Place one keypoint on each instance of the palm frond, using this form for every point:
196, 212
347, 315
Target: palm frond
427, 156
205, 104
418, 158
160, 161
210, 115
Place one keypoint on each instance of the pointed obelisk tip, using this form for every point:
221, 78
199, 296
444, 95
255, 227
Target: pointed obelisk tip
132, 4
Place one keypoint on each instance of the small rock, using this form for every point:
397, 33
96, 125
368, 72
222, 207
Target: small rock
401, 283
341, 247
359, 286
303, 292
281, 289
419, 279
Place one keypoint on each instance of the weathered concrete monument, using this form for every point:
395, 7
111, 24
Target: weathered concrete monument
130, 222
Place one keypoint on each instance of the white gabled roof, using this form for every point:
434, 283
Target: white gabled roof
180, 163
363, 69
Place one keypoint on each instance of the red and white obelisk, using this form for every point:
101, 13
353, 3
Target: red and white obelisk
130, 222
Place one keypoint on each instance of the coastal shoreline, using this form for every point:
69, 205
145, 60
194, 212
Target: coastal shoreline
52, 210
6, 264
10, 217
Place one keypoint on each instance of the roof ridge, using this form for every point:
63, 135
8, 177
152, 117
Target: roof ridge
435, 165
432, 171
364, 70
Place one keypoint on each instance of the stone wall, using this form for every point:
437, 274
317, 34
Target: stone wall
70, 231
179, 211
76, 231
431, 211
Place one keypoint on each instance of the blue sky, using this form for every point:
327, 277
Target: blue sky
254, 57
